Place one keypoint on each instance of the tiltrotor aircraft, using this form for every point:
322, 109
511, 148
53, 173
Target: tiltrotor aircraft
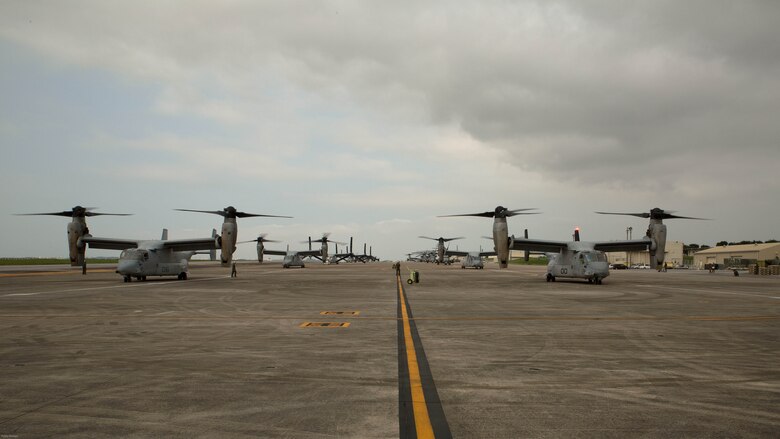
346, 256
471, 259
366, 256
501, 240
441, 251
142, 258
292, 258
260, 240
587, 260
323, 254
76, 229
230, 228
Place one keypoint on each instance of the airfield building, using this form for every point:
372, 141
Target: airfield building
737, 255
673, 255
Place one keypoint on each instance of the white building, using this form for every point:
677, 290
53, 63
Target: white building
673, 255
737, 255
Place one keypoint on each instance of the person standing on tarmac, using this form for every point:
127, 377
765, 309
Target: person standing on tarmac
233, 272
397, 267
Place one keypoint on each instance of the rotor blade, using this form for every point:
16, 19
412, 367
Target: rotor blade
215, 212
669, 216
515, 213
452, 239
428, 237
63, 213
483, 214
249, 215
112, 214
640, 215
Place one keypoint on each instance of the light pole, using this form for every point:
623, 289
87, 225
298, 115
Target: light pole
629, 233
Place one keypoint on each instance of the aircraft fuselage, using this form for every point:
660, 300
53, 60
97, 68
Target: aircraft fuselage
141, 262
580, 264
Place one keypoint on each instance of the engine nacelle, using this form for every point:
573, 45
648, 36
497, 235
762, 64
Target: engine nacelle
260, 249
657, 233
229, 232
76, 250
501, 241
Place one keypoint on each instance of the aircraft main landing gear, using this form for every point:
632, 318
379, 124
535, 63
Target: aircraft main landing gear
550, 278
127, 279
594, 280
182, 276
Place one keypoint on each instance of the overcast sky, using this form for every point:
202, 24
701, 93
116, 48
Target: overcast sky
369, 119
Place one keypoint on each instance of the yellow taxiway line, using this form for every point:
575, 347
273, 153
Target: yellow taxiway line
422, 421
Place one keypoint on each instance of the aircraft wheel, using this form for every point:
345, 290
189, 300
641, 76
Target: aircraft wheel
549, 277
409, 281
127, 279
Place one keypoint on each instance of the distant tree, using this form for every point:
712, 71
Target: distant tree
704, 247
722, 243
771, 241
693, 245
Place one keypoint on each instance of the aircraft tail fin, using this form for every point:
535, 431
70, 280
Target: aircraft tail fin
527, 254
213, 251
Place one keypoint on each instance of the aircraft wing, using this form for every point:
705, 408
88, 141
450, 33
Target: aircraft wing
305, 253
274, 252
181, 245
539, 245
623, 246
483, 254
108, 243
455, 253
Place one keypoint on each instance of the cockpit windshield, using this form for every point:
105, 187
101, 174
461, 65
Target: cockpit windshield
134, 254
596, 257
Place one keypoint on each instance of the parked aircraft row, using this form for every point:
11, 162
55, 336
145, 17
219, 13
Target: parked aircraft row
164, 257
574, 259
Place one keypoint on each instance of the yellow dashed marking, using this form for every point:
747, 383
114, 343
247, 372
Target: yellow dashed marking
324, 325
340, 313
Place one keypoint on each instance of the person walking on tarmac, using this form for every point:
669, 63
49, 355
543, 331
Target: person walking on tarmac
233, 272
397, 267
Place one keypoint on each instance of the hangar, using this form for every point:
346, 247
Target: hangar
737, 255
673, 255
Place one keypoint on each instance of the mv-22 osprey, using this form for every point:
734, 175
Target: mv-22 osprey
230, 228
501, 240
141, 258
587, 260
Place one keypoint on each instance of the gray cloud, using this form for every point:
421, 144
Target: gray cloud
588, 99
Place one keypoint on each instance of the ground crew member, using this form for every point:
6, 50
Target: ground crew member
233, 272
397, 267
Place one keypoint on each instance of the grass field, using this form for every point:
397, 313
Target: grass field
531, 261
52, 261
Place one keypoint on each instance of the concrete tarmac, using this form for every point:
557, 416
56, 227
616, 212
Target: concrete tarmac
646, 354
